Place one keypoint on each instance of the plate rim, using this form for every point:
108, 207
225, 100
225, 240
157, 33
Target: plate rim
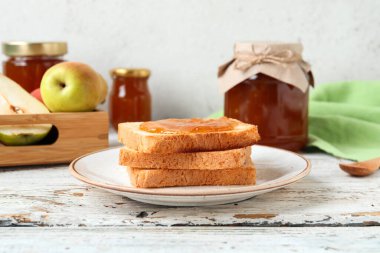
149, 191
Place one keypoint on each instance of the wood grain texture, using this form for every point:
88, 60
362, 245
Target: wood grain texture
78, 134
190, 239
44, 209
49, 196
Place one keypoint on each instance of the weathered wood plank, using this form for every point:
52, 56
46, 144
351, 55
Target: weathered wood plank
49, 196
190, 239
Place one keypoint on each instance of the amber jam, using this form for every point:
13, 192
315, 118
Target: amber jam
28, 62
188, 125
130, 99
278, 109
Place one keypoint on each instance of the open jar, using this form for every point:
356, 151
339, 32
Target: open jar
27, 62
130, 99
267, 84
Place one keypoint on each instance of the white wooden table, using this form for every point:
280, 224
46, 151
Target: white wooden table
44, 209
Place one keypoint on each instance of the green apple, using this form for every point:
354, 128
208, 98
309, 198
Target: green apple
103, 89
15, 100
71, 87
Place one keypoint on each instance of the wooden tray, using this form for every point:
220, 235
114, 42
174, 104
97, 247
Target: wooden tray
78, 133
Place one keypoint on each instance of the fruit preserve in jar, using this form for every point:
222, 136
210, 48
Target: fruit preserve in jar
27, 62
130, 99
270, 90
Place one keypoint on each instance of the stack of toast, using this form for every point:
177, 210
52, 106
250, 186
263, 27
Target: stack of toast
181, 158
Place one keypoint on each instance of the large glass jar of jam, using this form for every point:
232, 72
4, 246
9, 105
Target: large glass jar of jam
130, 99
273, 93
28, 62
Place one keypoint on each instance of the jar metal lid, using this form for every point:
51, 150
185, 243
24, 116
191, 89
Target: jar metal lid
130, 72
22, 48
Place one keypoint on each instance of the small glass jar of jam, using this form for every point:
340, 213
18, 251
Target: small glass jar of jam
273, 93
130, 99
28, 62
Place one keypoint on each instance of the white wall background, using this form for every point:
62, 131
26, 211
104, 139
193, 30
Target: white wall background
183, 41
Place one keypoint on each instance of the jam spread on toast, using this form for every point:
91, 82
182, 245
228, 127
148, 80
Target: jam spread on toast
186, 126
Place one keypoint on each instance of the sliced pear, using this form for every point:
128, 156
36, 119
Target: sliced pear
5, 107
15, 100
23, 135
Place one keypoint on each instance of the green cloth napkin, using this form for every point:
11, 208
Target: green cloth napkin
344, 119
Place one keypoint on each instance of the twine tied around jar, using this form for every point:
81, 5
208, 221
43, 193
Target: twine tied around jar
245, 60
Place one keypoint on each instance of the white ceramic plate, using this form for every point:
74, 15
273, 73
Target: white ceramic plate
276, 168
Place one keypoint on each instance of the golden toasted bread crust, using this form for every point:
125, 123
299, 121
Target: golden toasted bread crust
212, 160
153, 178
131, 136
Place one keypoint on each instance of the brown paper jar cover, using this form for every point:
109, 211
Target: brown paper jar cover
266, 84
282, 61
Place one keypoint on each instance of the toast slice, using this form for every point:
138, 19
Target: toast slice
211, 160
154, 178
133, 137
